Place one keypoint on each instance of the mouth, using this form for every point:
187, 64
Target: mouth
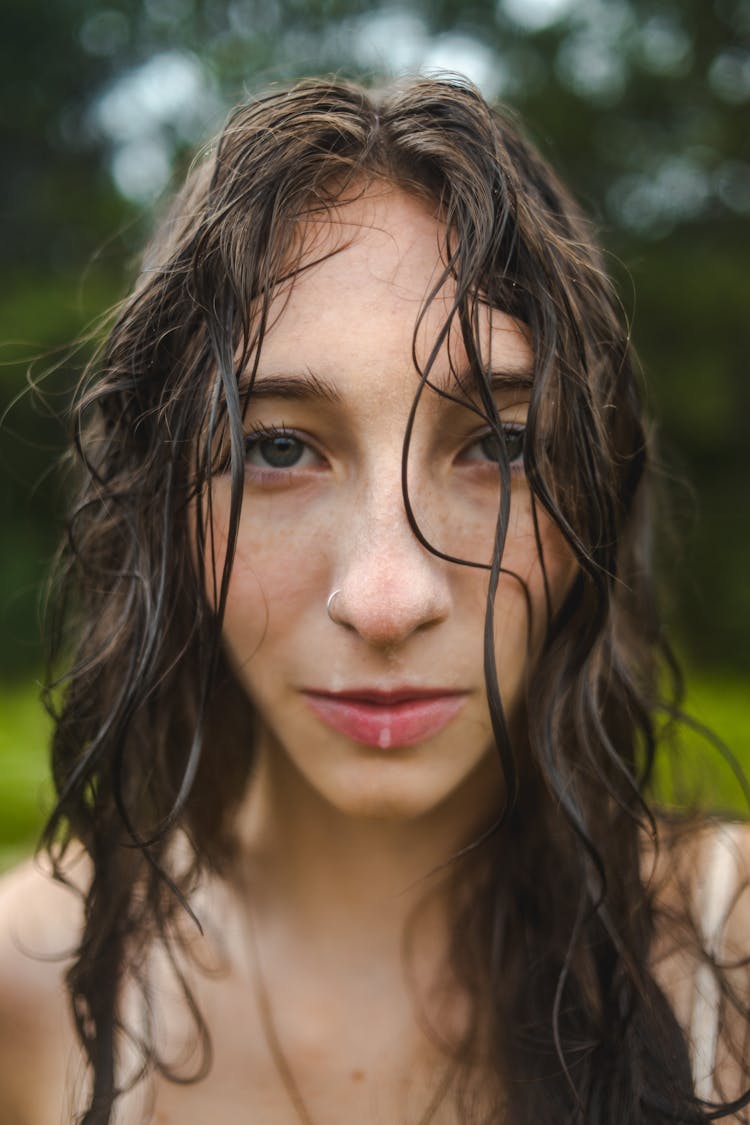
385, 719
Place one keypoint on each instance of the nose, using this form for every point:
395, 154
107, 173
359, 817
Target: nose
388, 585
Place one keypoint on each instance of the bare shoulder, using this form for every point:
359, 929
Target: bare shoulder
701, 892
702, 871
39, 931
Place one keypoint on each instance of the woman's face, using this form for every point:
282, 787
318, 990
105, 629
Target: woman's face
380, 707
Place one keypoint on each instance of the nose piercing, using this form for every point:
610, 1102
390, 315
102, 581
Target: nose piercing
329, 606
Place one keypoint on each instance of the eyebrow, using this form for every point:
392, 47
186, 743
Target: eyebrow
308, 386
517, 379
294, 385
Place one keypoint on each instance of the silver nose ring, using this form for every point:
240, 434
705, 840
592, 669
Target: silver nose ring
329, 605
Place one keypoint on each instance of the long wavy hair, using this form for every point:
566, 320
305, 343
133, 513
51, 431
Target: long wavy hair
154, 737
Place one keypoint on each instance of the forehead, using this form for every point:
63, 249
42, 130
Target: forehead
368, 274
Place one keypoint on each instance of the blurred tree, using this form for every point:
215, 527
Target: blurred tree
59, 206
642, 105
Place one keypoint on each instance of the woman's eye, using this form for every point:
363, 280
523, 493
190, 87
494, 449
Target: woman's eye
487, 448
278, 450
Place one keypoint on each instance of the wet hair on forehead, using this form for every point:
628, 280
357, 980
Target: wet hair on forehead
291, 158
324, 231
317, 151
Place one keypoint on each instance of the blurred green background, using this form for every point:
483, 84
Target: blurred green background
643, 106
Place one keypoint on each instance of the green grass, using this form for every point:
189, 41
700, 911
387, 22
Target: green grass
696, 769
25, 789
692, 771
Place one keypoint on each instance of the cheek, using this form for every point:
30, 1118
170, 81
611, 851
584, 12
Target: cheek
525, 584
277, 573
263, 602
521, 618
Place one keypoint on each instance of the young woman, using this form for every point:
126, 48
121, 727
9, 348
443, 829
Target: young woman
354, 750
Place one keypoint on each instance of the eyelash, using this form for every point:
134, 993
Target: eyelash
511, 431
260, 433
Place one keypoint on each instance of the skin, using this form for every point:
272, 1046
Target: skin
341, 843
336, 521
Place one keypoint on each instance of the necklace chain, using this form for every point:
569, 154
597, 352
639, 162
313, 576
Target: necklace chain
281, 1062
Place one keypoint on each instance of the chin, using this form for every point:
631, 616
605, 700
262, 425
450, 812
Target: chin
394, 791
380, 806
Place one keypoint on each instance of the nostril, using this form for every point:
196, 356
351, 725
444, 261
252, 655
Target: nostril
386, 606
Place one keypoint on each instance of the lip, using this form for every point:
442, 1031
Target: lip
385, 719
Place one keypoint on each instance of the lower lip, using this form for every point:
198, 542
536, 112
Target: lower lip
385, 725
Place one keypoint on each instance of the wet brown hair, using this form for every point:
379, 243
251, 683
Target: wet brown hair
152, 733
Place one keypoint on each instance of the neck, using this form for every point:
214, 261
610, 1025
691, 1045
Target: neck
349, 883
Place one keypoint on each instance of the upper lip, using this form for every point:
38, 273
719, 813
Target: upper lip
385, 696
